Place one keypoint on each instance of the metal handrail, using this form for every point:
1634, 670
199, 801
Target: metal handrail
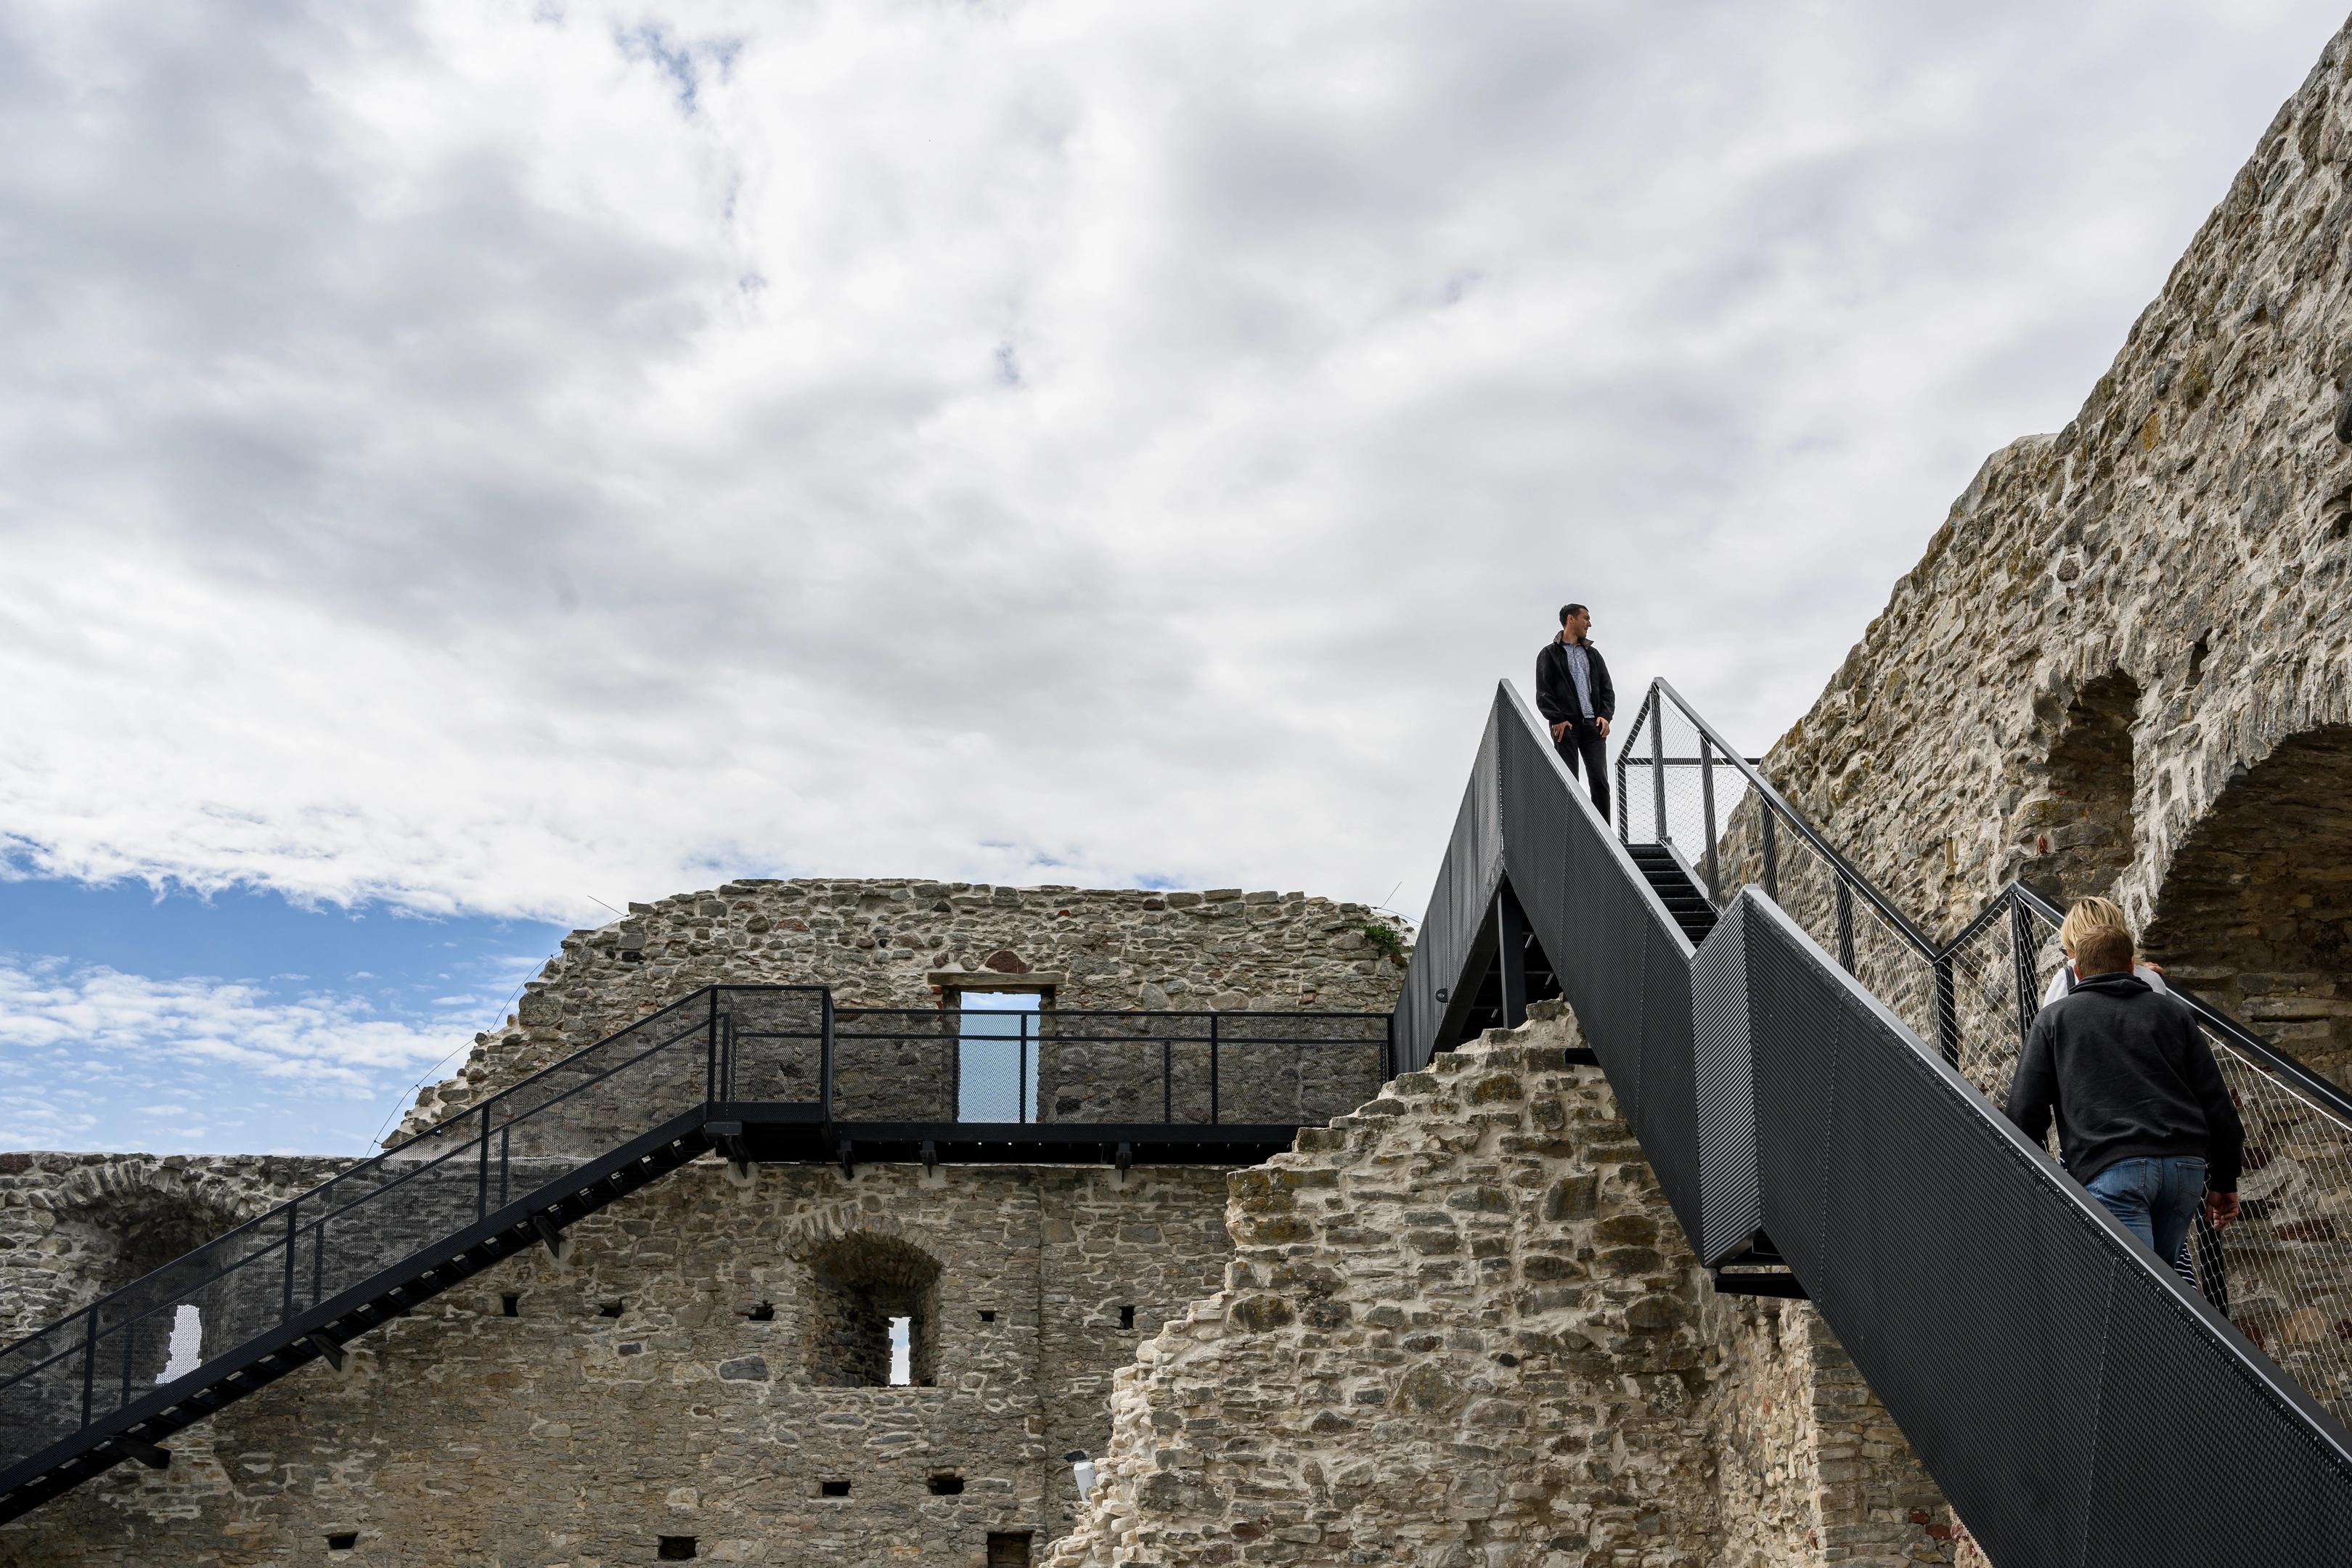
1771, 798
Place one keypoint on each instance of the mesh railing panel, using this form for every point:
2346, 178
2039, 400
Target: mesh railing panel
1680, 788
1096, 1069
774, 1045
1466, 880
1623, 965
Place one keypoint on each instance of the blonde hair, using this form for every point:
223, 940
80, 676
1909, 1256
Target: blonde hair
2087, 915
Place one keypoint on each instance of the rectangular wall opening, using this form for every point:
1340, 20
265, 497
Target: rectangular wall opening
832, 1488
343, 1541
674, 1548
1008, 1548
996, 1054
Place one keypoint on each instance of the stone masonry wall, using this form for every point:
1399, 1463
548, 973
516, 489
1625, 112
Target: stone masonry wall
879, 943
655, 1384
1462, 1326
2160, 593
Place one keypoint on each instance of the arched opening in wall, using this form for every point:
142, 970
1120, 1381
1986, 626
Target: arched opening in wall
873, 1312
2080, 833
166, 1242
2256, 909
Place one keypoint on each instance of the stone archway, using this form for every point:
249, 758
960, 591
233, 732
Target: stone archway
2255, 910
2078, 836
856, 1286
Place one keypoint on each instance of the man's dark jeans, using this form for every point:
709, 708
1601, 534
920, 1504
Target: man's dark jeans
1584, 739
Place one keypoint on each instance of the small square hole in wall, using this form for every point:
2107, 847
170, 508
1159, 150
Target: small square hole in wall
343, 1541
633, 955
609, 1309
1008, 1548
988, 1317
947, 1486
674, 1548
832, 1488
763, 1313
510, 1305
1126, 1317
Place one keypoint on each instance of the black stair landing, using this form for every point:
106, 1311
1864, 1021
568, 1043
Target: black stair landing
1664, 870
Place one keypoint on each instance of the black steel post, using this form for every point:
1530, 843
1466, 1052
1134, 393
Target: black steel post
1167, 1080
1656, 714
1212, 1069
1772, 850
1388, 1050
824, 1052
1845, 925
1021, 1077
287, 1310
88, 1363
318, 1258
1624, 806
506, 1150
1947, 1012
711, 1053
1511, 955
1706, 812
482, 1170
124, 1397
2021, 945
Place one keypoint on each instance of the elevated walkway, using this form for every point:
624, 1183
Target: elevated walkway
747, 1072
1814, 1080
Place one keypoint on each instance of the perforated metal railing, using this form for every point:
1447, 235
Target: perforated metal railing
2282, 1273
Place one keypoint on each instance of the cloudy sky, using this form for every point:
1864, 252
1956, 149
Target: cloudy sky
464, 466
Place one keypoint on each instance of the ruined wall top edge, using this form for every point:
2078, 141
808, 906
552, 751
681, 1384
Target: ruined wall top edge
2187, 529
880, 942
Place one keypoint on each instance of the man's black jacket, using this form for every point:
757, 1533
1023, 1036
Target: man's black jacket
1556, 687
2130, 1077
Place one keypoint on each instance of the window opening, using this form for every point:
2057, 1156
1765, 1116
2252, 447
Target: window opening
510, 1305
988, 1317
609, 1309
186, 1351
996, 1056
832, 1488
343, 1541
674, 1548
901, 1352
1008, 1548
872, 1304
763, 1313
944, 1485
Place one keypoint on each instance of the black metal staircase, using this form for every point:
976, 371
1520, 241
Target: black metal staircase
753, 1073
1808, 1073
1676, 888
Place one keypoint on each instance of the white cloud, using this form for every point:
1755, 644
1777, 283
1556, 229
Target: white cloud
500, 461
118, 1030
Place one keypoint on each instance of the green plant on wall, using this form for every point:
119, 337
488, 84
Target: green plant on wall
1385, 940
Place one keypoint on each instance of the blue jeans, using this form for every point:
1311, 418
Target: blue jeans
2154, 1199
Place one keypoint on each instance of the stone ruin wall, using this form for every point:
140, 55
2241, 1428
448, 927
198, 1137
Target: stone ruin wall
582, 1438
2125, 663
665, 1379
1462, 1328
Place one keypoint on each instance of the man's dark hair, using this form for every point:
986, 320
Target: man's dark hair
2104, 950
1567, 610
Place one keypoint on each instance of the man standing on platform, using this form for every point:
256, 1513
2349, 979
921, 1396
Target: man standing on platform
1575, 697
